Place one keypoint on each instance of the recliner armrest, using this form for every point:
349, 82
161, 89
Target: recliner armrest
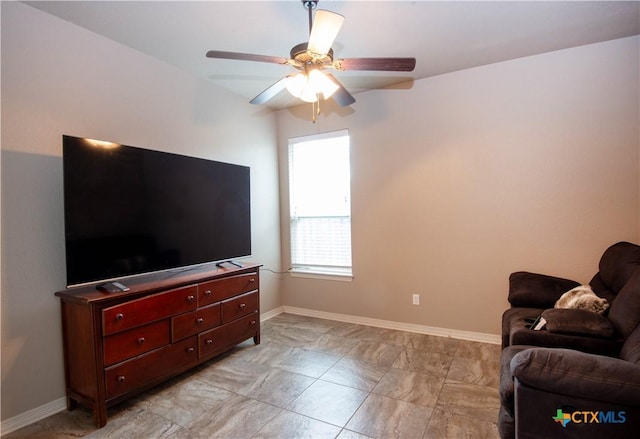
577, 322
534, 290
578, 374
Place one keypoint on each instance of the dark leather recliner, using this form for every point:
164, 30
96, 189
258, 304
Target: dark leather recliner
563, 393
530, 294
581, 376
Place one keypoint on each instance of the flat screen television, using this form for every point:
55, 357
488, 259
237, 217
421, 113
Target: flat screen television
130, 210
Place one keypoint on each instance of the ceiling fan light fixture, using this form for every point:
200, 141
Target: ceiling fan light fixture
307, 86
295, 84
321, 83
309, 95
298, 85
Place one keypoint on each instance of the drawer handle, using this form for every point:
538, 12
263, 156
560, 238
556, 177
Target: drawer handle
190, 349
253, 322
209, 341
207, 293
119, 316
141, 340
191, 298
200, 321
121, 379
252, 280
243, 305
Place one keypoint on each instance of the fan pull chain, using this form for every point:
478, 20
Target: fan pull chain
315, 109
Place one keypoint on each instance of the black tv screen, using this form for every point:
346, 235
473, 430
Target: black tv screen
131, 210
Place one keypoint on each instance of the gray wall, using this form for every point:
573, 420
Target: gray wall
60, 79
530, 164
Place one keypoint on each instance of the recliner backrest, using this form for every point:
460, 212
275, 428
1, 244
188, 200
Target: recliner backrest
631, 348
618, 264
624, 312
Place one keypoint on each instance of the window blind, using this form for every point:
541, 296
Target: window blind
320, 202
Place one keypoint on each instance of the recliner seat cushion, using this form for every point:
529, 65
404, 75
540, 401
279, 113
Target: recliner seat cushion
520, 334
516, 314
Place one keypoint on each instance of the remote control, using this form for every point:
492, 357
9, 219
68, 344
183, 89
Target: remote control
120, 286
113, 287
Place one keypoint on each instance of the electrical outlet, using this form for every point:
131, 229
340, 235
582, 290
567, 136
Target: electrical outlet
416, 299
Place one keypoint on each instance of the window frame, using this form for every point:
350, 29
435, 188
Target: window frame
318, 271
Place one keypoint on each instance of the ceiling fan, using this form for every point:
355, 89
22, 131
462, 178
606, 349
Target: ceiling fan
312, 58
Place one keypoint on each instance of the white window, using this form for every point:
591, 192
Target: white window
320, 204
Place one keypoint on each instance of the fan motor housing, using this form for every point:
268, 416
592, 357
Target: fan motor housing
300, 54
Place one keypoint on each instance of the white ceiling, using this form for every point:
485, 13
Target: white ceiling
443, 36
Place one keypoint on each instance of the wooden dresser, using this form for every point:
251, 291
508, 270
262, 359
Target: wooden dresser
119, 344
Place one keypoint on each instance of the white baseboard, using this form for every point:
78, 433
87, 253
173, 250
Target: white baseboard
388, 324
34, 415
31, 416
270, 314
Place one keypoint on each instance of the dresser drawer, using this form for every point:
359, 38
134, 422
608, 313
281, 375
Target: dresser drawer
148, 309
146, 368
239, 306
228, 335
127, 344
218, 290
196, 321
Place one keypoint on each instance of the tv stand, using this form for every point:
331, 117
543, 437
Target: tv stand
235, 264
118, 344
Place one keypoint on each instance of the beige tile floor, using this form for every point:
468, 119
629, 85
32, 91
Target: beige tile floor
313, 378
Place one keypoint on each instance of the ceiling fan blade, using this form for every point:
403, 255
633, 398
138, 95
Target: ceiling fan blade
324, 31
270, 92
379, 64
341, 96
246, 57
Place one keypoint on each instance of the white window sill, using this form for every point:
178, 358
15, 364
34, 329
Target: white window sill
319, 273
